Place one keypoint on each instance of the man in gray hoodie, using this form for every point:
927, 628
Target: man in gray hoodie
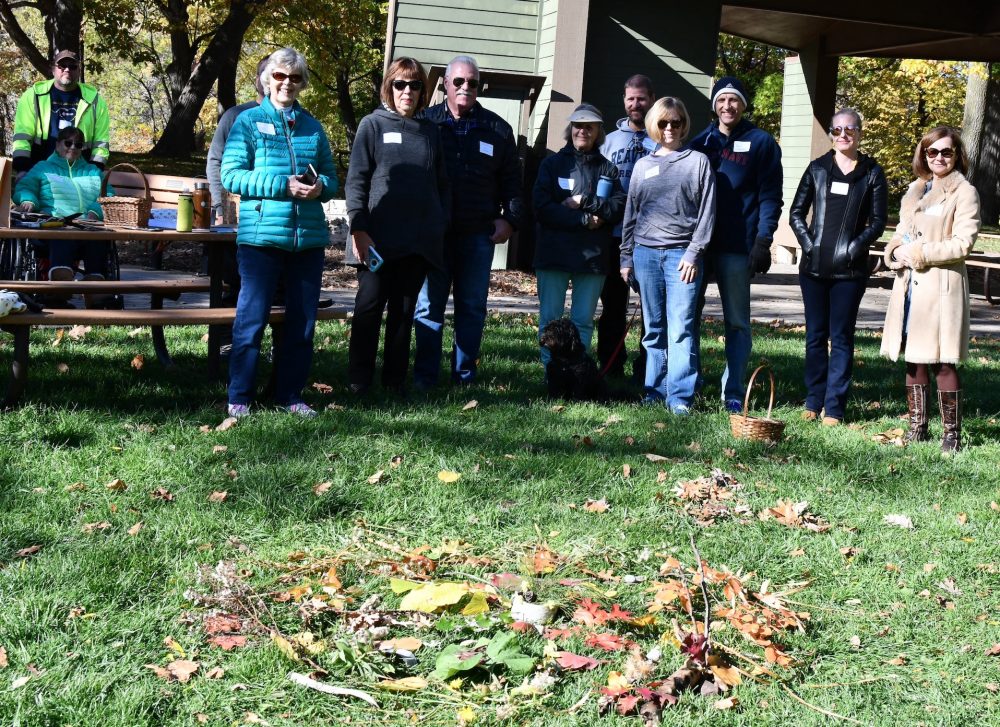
623, 147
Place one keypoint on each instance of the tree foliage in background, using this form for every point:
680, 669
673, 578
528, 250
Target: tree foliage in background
761, 67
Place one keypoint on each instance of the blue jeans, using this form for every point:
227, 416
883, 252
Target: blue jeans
732, 274
468, 259
260, 270
831, 313
670, 314
552, 286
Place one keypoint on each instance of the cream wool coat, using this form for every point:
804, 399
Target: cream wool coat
943, 225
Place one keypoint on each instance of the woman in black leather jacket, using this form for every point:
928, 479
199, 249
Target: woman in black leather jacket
847, 193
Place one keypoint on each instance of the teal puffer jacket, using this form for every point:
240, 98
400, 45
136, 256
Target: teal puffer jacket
58, 189
261, 153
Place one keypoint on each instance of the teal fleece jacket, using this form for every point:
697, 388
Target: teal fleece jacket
262, 151
58, 189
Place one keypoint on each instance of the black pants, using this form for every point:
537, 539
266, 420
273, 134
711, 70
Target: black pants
93, 253
396, 286
613, 321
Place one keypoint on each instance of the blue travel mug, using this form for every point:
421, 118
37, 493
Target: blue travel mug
604, 187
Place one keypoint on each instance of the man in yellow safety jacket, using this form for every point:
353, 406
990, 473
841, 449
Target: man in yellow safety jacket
47, 107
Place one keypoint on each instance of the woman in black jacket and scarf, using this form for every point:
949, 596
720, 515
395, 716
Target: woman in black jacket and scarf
847, 193
578, 200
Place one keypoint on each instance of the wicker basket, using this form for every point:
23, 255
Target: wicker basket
763, 428
125, 211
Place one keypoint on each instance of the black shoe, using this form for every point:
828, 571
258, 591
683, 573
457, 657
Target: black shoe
325, 303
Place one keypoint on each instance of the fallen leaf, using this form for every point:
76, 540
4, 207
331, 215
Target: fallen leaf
19, 682
219, 449
376, 478
162, 493
216, 672
898, 661
29, 551
993, 650
321, 488
406, 643
928, 567
449, 476
78, 332
138, 361
218, 496
948, 585
76, 487
470, 405
136, 332
575, 662
182, 669
848, 552
900, 521
656, 457
322, 388
855, 642
962, 518
227, 423
596, 505
62, 368
626, 471
797, 553
396, 461
228, 642
117, 486
406, 684
430, 597
3, 658
92, 527
727, 703
134, 530
606, 641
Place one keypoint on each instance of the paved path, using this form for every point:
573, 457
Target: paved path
774, 296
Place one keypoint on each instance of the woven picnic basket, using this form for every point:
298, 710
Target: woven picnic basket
125, 211
762, 428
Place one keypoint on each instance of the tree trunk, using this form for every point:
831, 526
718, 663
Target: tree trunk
178, 139
182, 53
226, 90
63, 27
981, 136
40, 60
348, 116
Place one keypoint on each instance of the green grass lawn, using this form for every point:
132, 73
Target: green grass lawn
899, 620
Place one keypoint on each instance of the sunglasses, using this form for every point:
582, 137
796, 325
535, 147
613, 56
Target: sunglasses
672, 123
415, 85
946, 153
472, 83
293, 78
68, 65
72, 144
849, 130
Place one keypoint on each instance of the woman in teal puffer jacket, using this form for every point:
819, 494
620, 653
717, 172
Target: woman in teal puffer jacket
63, 185
282, 230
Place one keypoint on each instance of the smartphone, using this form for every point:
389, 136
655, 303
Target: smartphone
309, 176
374, 259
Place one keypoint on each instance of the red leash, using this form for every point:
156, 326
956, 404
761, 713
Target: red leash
621, 343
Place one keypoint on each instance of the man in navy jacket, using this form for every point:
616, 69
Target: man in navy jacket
480, 152
747, 164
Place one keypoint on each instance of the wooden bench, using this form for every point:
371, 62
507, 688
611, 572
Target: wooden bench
19, 325
984, 261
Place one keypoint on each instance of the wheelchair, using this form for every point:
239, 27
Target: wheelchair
28, 260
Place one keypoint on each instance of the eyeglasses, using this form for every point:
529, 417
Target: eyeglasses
72, 144
68, 65
293, 78
672, 123
849, 130
946, 153
472, 83
414, 85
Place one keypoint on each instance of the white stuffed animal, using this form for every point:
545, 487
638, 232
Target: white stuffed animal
10, 303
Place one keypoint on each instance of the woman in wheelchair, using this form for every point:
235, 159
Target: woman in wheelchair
62, 185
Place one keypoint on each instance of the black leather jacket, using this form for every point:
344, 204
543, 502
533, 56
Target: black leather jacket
862, 224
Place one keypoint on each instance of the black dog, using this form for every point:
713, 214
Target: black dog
571, 372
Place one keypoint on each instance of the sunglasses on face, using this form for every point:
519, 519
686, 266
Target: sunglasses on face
68, 65
674, 124
415, 85
293, 78
73, 144
849, 130
946, 153
472, 83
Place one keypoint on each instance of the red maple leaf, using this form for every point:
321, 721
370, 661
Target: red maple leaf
606, 641
575, 662
626, 703
617, 614
552, 633
228, 643
695, 646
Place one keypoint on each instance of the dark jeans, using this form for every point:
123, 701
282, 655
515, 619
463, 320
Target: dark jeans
94, 253
831, 308
396, 286
613, 322
261, 269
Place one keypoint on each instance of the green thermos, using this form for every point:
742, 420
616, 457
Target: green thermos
185, 212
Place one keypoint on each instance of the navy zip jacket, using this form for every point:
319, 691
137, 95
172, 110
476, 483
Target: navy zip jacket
483, 168
747, 166
564, 240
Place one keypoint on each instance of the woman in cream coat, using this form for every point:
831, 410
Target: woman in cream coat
928, 316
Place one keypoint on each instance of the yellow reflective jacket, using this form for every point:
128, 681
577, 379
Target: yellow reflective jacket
31, 125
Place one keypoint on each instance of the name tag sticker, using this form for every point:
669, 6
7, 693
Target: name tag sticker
392, 137
651, 172
934, 210
566, 183
265, 128
741, 146
839, 187
485, 148
65, 123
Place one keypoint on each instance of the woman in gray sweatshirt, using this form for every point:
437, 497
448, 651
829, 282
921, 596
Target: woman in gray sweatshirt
669, 216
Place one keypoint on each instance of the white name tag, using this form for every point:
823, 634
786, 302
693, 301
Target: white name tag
935, 210
392, 137
741, 146
651, 172
265, 128
566, 183
839, 187
485, 148
64, 124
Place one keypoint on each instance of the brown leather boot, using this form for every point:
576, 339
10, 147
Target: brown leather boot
916, 400
950, 404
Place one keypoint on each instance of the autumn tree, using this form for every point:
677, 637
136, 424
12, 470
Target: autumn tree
981, 134
761, 69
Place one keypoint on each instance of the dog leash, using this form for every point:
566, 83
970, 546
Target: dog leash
621, 343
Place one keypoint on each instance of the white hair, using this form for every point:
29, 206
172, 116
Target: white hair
461, 61
288, 59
